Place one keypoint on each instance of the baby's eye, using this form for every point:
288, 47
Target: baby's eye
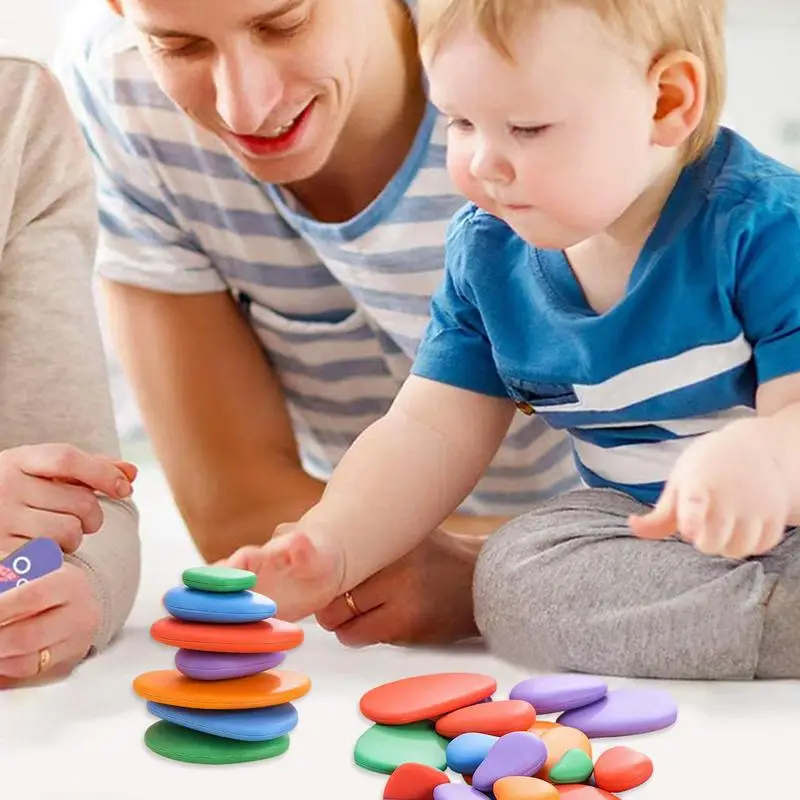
529, 130
459, 124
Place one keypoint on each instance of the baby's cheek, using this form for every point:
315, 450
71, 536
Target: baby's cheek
458, 166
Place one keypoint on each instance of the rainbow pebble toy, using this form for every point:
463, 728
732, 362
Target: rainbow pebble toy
225, 702
502, 749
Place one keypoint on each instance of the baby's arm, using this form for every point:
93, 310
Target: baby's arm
404, 475
735, 491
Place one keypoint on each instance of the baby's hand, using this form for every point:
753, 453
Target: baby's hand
302, 575
726, 494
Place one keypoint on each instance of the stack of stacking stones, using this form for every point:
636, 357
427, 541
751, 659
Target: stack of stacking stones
428, 725
225, 702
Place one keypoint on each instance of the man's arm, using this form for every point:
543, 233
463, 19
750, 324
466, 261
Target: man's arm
214, 411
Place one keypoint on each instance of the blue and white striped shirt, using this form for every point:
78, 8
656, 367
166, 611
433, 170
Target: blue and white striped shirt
340, 308
711, 311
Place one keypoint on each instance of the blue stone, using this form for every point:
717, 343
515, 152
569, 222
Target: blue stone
465, 753
196, 605
250, 724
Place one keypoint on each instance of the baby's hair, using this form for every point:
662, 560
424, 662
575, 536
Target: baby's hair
660, 26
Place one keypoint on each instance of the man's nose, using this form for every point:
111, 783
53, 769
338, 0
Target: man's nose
248, 88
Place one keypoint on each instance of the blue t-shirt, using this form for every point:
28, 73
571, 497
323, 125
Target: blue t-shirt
711, 310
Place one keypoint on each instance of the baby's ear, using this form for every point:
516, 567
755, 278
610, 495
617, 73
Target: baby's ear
116, 6
681, 83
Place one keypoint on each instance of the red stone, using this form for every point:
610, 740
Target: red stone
413, 782
425, 697
496, 719
622, 768
580, 791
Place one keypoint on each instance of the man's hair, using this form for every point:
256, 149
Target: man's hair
660, 26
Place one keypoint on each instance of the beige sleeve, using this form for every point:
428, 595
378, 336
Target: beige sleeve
53, 380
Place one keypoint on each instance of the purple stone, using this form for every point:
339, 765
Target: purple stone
519, 753
209, 666
625, 712
550, 693
457, 791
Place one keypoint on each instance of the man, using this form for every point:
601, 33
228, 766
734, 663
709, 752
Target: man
274, 202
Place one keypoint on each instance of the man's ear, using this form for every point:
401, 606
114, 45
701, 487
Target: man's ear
680, 81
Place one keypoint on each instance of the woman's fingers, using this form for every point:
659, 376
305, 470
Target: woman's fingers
71, 465
47, 623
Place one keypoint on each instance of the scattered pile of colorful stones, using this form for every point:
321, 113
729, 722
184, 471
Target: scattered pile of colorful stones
225, 702
502, 749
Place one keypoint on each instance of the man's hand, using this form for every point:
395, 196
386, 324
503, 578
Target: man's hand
425, 598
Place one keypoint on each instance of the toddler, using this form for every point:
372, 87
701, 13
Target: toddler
628, 269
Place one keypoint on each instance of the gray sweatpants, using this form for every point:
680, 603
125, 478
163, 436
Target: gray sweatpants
568, 587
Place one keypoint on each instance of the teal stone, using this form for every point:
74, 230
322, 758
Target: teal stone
574, 767
383, 748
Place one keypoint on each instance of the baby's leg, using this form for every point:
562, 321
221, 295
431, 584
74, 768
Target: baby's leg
569, 587
780, 644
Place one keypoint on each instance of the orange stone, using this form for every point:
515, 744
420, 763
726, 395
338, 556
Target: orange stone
267, 636
425, 697
413, 782
558, 741
172, 688
582, 792
515, 788
497, 719
622, 768
541, 726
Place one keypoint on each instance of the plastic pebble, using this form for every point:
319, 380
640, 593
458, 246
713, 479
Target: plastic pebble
412, 781
560, 741
624, 713
551, 693
573, 767
383, 748
496, 719
518, 753
425, 697
622, 768
457, 791
465, 753
517, 788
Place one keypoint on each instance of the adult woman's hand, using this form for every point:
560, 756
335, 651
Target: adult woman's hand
50, 491
46, 625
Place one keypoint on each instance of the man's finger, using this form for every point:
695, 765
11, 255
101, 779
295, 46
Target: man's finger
367, 597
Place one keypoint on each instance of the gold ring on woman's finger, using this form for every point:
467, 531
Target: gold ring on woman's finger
44, 660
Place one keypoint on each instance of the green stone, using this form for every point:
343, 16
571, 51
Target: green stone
219, 579
194, 747
574, 767
383, 748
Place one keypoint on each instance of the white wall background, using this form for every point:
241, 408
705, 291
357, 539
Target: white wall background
763, 56
763, 59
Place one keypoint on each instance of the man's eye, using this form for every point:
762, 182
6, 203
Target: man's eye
177, 48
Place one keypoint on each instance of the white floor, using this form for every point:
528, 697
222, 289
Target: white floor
82, 738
